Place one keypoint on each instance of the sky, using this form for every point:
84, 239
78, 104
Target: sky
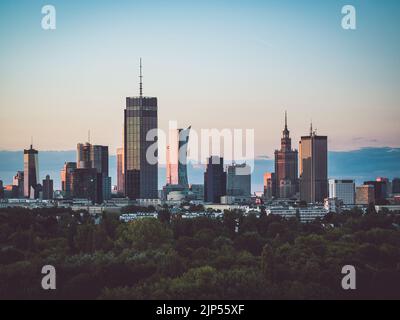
211, 64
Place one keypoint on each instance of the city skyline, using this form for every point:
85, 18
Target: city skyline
287, 63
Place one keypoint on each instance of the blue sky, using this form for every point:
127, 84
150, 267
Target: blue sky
212, 64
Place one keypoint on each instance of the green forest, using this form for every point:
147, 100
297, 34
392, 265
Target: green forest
235, 257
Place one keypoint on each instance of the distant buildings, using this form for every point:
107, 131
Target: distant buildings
286, 167
343, 190
66, 179
47, 188
31, 172
214, 180
396, 186
177, 157
141, 175
269, 185
18, 181
380, 191
93, 157
313, 168
365, 195
86, 185
120, 171
238, 181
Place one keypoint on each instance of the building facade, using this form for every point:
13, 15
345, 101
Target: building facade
343, 190
47, 188
365, 195
313, 168
214, 180
269, 185
238, 182
66, 179
120, 171
177, 157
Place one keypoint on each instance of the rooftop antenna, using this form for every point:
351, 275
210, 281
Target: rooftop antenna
311, 129
285, 120
141, 77
89, 135
31, 142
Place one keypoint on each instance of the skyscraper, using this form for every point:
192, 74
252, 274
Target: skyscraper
66, 179
214, 180
141, 172
238, 181
47, 188
95, 157
269, 185
120, 171
313, 167
18, 181
83, 152
286, 166
31, 171
177, 157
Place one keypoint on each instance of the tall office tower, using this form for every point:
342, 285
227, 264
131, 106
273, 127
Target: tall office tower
313, 168
396, 186
120, 171
96, 157
1, 190
66, 179
86, 184
365, 195
47, 188
18, 181
343, 190
386, 186
214, 180
141, 172
269, 185
31, 171
177, 157
286, 167
83, 153
99, 161
379, 191
238, 181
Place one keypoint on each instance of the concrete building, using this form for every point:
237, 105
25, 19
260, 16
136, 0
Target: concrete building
365, 194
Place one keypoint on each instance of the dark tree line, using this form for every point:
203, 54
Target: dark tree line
237, 257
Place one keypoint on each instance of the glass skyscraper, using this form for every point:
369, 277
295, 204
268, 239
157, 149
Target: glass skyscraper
141, 173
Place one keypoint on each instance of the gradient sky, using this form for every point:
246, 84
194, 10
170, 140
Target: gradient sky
212, 64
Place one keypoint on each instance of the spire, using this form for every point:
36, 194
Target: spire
285, 120
31, 142
141, 77
311, 129
89, 135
